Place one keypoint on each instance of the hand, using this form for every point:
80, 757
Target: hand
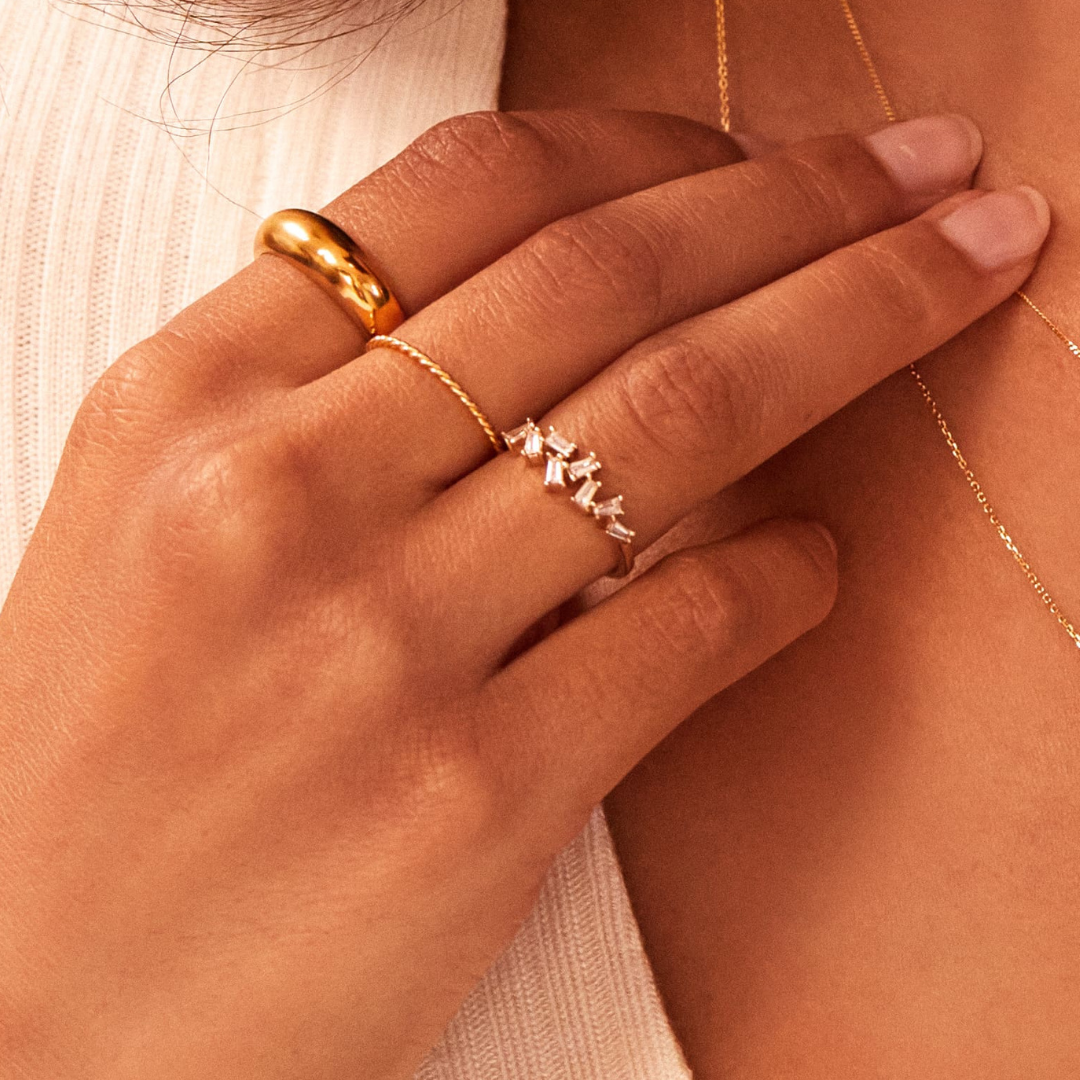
278, 778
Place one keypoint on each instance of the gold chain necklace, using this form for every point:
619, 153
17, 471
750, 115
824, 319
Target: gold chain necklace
943, 426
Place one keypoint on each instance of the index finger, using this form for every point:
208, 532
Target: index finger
464, 193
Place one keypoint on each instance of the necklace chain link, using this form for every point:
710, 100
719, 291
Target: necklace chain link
939, 419
722, 66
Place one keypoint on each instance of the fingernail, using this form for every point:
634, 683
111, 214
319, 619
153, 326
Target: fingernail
930, 155
826, 554
1000, 229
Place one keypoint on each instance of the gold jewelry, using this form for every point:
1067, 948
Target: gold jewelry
561, 469
385, 341
332, 258
969, 475
553, 451
722, 67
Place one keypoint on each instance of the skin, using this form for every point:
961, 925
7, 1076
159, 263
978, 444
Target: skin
274, 793
861, 860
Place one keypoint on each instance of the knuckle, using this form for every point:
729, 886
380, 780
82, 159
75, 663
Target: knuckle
685, 393
763, 590
202, 497
814, 182
487, 145
451, 782
713, 600
821, 576
233, 508
606, 258
894, 289
812, 554
123, 407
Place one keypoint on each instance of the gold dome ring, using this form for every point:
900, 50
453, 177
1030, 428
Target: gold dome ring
332, 258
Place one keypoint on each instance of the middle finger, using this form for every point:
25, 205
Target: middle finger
539, 322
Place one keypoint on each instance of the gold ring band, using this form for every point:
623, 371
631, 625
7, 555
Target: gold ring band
385, 341
561, 469
332, 258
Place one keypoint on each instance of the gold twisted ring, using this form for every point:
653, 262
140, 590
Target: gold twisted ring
332, 258
553, 451
561, 469
385, 341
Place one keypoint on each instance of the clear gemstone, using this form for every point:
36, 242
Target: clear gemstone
583, 467
584, 494
610, 508
555, 473
621, 533
517, 436
563, 447
533, 447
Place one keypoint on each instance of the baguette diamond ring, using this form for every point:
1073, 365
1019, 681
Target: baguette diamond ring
562, 470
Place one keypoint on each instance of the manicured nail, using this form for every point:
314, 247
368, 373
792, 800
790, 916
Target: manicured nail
928, 156
1000, 229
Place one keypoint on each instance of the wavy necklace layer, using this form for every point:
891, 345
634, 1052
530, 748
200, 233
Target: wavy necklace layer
973, 482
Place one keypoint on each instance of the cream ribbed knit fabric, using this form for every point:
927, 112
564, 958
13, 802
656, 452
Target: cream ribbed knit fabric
113, 222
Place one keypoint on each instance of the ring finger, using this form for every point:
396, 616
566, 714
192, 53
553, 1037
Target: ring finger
691, 410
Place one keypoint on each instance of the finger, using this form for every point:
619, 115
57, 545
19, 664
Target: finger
465, 192
587, 703
689, 412
525, 332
